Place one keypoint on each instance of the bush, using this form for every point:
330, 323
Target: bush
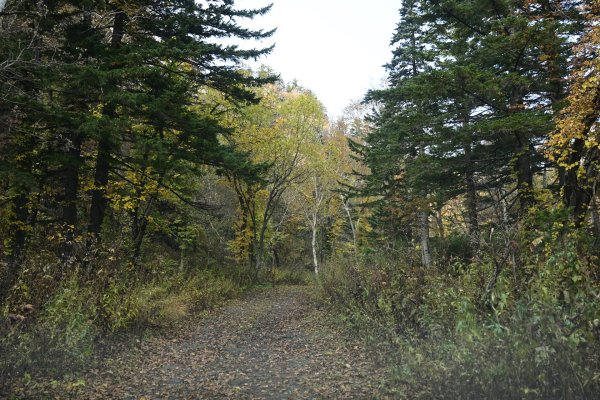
508, 362
160, 302
485, 330
61, 337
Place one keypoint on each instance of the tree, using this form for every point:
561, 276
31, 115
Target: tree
277, 133
102, 102
468, 106
317, 198
574, 143
402, 135
170, 69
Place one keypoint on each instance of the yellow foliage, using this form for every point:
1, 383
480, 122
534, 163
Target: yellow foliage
577, 123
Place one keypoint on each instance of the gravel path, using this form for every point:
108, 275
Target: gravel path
271, 345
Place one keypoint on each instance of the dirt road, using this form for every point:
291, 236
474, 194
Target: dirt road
271, 345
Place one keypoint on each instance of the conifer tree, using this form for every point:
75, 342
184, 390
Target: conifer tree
95, 90
469, 103
401, 143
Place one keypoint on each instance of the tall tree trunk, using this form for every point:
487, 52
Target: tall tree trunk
524, 173
594, 212
424, 226
314, 243
101, 175
575, 197
102, 168
469, 176
471, 200
69, 207
425, 250
260, 248
138, 233
522, 162
353, 227
140, 216
70, 217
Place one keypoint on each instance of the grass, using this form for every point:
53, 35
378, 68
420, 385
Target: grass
62, 336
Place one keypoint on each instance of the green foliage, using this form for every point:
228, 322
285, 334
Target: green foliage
126, 306
451, 335
133, 144
456, 248
104, 123
507, 365
69, 317
107, 137
509, 306
61, 337
58, 339
283, 134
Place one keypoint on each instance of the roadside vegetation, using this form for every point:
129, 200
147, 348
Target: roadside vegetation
479, 266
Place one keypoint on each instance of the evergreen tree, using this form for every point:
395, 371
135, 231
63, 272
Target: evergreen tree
99, 91
402, 147
469, 103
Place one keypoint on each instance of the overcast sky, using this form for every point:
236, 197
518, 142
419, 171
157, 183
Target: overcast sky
336, 48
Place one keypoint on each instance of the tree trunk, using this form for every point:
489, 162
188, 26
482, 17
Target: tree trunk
69, 207
138, 234
139, 228
101, 175
260, 254
522, 166
353, 227
440, 223
70, 218
140, 222
524, 173
314, 244
575, 197
102, 168
17, 247
252, 259
471, 201
425, 250
594, 211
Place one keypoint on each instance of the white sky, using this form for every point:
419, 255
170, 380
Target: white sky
336, 48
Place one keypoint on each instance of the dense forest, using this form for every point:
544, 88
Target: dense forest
451, 216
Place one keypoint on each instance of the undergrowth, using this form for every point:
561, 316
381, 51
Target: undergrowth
67, 319
63, 331
472, 330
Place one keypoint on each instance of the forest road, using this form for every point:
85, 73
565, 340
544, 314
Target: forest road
273, 344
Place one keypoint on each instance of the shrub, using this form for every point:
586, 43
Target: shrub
61, 337
485, 330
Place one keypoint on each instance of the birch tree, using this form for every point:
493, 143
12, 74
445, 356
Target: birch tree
277, 133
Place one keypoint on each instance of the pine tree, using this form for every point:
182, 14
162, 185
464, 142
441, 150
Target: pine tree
509, 60
96, 90
473, 86
402, 142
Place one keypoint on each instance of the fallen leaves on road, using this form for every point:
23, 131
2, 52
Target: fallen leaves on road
271, 345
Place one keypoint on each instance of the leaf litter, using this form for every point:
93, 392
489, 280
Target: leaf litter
272, 344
